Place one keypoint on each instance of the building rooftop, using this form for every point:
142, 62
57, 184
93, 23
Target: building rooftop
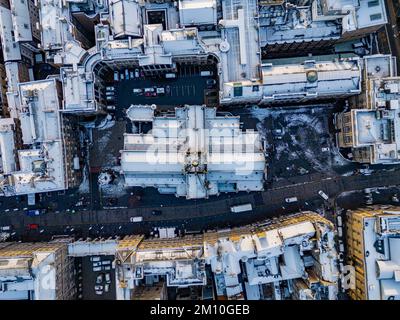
194, 153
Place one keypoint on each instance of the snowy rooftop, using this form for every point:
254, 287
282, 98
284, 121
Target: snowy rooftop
194, 153
312, 77
298, 27
11, 49
42, 167
197, 12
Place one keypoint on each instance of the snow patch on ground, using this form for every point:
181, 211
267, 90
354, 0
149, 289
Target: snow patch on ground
106, 123
84, 186
117, 188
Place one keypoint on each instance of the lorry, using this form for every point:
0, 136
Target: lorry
242, 208
291, 200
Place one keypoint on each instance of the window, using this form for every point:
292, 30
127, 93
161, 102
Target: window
376, 16
373, 3
347, 139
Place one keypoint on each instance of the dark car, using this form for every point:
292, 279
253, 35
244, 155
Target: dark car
33, 213
156, 212
211, 83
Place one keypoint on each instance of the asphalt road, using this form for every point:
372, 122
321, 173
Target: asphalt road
203, 215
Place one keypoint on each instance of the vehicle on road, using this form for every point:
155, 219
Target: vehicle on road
136, 219
206, 73
108, 278
156, 212
160, 91
291, 200
31, 199
323, 195
211, 83
242, 208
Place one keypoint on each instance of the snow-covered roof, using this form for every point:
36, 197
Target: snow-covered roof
321, 78
11, 49
125, 18
21, 20
194, 153
41, 167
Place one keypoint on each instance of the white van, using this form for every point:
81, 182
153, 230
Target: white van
291, 199
323, 195
242, 208
136, 219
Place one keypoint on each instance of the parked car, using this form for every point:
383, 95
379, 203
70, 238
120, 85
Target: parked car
211, 83
108, 278
137, 74
106, 262
132, 74
106, 287
116, 76
96, 269
98, 287
95, 259
110, 88
97, 264
99, 292
111, 108
99, 279
291, 199
138, 92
